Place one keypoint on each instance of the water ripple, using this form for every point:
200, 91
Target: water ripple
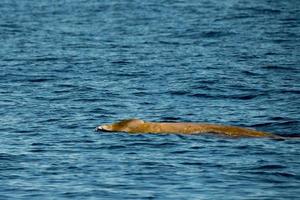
68, 66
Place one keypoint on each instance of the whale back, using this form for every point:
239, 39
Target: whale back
127, 124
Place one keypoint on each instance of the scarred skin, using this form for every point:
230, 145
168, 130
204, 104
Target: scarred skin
140, 126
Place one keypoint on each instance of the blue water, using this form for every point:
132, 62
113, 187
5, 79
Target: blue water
68, 66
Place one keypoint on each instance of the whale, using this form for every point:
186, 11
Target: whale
141, 126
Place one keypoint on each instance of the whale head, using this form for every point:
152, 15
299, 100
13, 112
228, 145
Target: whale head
123, 126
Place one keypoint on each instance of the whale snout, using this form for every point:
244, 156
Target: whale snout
99, 128
103, 128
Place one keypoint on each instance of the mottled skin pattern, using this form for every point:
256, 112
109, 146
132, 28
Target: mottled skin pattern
140, 126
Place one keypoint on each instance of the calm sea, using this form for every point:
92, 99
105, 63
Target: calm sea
68, 66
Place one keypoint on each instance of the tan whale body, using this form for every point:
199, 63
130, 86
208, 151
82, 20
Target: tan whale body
140, 126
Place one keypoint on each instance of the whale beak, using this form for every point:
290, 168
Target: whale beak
102, 128
99, 128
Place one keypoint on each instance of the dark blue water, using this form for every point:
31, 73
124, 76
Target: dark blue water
68, 66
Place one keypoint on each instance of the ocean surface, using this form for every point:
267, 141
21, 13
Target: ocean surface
68, 66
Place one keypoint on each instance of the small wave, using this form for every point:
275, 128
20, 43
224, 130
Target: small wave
245, 97
215, 34
40, 80
196, 147
37, 150
149, 163
153, 145
14, 158
7, 156
125, 74
26, 131
175, 43
189, 163
115, 147
40, 144
65, 85
140, 94
242, 147
99, 110
250, 73
288, 123
171, 119
62, 91
222, 96
276, 173
290, 91
265, 10
270, 167
278, 118
88, 100
201, 95
278, 121
45, 59
277, 67
179, 93
180, 152
121, 62
286, 174
290, 135
258, 10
